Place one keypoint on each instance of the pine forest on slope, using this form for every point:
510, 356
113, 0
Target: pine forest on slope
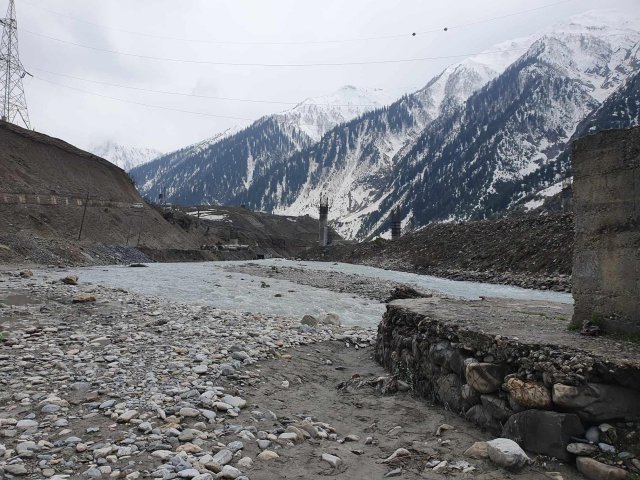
486, 135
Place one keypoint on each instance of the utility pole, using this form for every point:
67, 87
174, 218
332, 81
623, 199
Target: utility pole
324, 216
14, 102
84, 214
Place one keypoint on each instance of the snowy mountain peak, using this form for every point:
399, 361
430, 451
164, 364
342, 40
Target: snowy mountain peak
317, 115
125, 157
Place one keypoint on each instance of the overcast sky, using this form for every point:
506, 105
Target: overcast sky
241, 31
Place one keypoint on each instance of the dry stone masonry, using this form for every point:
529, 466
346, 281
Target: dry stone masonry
508, 366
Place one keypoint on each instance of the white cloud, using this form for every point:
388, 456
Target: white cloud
85, 119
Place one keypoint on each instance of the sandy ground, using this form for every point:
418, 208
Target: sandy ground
365, 412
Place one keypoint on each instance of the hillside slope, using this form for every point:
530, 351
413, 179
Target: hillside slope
472, 162
44, 184
532, 251
124, 156
219, 169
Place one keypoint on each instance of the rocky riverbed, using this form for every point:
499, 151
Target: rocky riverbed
367, 287
103, 383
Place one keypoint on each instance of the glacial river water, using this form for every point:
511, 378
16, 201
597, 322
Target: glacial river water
208, 284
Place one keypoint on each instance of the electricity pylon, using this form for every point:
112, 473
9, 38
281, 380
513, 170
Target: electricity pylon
14, 103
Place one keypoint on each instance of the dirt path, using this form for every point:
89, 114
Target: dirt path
364, 412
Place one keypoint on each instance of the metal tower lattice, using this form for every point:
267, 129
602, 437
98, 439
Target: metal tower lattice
14, 103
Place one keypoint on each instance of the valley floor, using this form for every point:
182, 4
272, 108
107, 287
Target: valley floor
124, 385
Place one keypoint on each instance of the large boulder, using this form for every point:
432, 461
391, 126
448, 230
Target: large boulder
440, 352
544, 432
70, 280
528, 394
403, 292
507, 454
309, 320
485, 377
597, 402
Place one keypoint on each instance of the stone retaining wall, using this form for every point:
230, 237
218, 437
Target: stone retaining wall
543, 396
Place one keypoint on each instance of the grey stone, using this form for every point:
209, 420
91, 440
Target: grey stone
479, 415
581, 449
188, 473
229, 472
606, 448
92, 472
309, 320
223, 457
496, 406
596, 402
145, 427
235, 446
544, 432
264, 444
26, 424
107, 404
507, 454
17, 469
240, 355
332, 460
449, 391
592, 434
50, 408
439, 352
188, 412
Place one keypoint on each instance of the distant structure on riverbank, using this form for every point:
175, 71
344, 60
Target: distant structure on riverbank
396, 224
606, 197
324, 219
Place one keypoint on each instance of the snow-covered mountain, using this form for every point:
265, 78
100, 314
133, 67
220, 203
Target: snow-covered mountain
352, 163
221, 168
123, 156
316, 116
481, 137
478, 159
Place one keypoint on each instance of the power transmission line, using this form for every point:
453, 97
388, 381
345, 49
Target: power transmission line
303, 42
249, 64
14, 106
204, 114
194, 95
161, 107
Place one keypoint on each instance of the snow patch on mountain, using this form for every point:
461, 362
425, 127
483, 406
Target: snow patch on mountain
123, 156
316, 116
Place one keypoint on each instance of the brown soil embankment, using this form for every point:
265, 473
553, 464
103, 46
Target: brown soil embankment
532, 251
59, 204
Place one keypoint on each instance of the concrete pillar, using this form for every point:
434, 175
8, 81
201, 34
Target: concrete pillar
606, 262
396, 225
324, 219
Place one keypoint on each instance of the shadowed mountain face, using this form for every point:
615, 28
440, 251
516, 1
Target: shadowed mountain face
483, 136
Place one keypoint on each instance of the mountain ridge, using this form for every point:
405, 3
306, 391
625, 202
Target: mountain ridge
453, 150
